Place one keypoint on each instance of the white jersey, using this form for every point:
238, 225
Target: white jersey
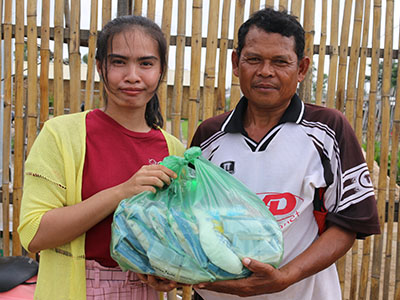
310, 161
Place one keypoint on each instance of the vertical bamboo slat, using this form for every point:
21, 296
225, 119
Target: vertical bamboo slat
350, 113
32, 74
151, 9
44, 62
58, 57
19, 137
7, 126
176, 104
321, 55
209, 75
166, 29
333, 60
75, 58
91, 56
295, 9
371, 136
254, 6
138, 8
305, 86
194, 90
283, 4
223, 57
395, 150
385, 138
353, 63
343, 50
32, 105
361, 73
105, 16
269, 3
235, 86
359, 133
384, 145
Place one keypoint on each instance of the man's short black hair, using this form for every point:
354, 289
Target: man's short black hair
274, 21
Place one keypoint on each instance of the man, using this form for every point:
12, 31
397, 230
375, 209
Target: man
303, 161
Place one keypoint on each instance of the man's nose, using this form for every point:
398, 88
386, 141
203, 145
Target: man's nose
266, 69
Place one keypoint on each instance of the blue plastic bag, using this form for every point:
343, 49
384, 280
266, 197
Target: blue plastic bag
197, 229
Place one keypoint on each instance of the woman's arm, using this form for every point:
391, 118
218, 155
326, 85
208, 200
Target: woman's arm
61, 225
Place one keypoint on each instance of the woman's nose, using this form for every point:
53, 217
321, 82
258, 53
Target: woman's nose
132, 73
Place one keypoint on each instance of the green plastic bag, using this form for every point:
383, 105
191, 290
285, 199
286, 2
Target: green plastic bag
197, 229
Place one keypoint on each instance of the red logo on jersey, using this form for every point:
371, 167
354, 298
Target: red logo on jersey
283, 206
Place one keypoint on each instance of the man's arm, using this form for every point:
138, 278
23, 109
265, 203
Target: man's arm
326, 250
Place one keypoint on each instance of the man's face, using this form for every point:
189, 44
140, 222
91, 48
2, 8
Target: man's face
268, 69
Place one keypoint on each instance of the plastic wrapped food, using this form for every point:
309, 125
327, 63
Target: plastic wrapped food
197, 229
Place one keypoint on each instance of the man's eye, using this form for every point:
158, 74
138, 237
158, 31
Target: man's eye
253, 60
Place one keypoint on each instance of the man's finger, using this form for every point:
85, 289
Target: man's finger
256, 266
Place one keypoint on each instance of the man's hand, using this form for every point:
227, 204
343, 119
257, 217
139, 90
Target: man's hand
158, 283
264, 280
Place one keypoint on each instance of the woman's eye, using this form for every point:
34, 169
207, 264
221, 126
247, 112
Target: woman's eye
117, 62
147, 64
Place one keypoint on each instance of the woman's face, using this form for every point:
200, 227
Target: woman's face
133, 70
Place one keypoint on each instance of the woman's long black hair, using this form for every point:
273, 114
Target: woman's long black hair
104, 43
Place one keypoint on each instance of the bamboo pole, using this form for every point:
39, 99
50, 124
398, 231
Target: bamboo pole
19, 137
361, 73
384, 142
333, 60
353, 63
58, 57
365, 264
194, 90
7, 126
363, 278
151, 9
343, 50
341, 87
254, 6
75, 58
295, 9
395, 150
186, 293
269, 3
209, 76
235, 86
32, 105
309, 14
91, 56
223, 57
176, 104
321, 56
32, 74
283, 4
382, 197
138, 8
44, 63
350, 110
106, 16
166, 29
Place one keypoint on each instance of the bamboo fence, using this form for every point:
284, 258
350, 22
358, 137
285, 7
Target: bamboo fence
343, 40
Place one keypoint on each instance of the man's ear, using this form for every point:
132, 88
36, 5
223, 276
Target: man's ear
303, 68
235, 63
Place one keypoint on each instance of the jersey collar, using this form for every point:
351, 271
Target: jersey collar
234, 122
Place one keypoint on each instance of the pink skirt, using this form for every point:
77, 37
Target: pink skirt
103, 283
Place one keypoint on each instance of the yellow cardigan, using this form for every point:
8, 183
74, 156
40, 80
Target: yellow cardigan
53, 178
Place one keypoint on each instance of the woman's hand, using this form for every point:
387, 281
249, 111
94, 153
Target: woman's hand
146, 179
158, 283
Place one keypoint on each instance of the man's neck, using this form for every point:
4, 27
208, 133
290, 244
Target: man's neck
258, 123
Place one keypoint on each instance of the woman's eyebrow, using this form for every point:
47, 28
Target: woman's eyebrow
113, 55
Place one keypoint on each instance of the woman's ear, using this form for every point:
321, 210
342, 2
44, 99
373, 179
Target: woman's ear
98, 68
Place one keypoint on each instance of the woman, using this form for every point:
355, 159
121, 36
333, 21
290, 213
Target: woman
82, 165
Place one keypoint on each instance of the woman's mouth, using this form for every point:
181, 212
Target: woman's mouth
131, 91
